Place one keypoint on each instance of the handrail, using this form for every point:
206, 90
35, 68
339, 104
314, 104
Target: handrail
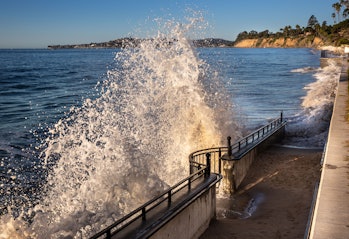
258, 134
197, 158
202, 163
141, 212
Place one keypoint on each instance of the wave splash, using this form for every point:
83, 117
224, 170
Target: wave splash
305, 70
310, 126
115, 152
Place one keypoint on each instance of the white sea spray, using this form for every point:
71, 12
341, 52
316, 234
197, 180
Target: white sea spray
117, 151
310, 127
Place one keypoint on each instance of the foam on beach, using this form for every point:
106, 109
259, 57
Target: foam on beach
310, 127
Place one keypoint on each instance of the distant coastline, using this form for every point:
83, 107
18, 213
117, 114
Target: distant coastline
310, 37
281, 42
134, 42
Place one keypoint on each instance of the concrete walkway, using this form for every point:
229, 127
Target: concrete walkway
331, 214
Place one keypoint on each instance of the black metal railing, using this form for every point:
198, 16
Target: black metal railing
163, 200
202, 163
257, 135
197, 158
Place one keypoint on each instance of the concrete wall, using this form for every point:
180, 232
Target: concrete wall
234, 171
331, 214
192, 221
242, 166
326, 61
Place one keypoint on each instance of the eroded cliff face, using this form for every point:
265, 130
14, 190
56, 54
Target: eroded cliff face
280, 42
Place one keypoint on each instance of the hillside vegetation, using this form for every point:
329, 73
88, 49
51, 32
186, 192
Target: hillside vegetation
314, 35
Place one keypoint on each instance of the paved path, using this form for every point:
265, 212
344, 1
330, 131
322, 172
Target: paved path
331, 215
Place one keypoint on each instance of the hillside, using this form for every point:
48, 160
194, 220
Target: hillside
285, 42
312, 36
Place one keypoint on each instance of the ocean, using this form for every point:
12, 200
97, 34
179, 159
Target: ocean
87, 135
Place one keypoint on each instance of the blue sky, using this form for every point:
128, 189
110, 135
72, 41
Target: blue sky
39, 23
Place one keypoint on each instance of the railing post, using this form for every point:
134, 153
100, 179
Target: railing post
229, 146
208, 165
281, 115
191, 167
220, 161
143, 215
169, 198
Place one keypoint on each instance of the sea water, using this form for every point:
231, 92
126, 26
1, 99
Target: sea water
88, 135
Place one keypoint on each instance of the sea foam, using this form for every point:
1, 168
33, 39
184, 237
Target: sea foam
119, 150
310, 127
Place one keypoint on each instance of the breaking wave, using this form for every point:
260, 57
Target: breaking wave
310, 126
117, 151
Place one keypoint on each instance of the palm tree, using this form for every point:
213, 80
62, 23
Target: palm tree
337, 7
334, 17
345, 3
298, 29
312, 22
345, 13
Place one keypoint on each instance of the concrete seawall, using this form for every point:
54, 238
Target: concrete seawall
331, 213
193, 220
183, 211
195, 217
235, 170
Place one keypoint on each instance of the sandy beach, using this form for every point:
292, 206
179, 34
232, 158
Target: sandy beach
274, 200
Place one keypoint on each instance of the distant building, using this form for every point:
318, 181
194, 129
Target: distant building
346, 50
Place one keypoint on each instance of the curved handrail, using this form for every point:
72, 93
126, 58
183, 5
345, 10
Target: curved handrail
202, 163
196, 159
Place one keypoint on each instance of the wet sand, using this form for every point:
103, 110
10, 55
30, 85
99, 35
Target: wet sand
274, 200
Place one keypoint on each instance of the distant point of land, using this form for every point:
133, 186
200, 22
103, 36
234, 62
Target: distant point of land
134, 42
313, 36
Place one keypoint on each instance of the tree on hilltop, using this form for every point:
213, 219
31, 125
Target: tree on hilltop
345, 3
336, 34
298, 29
337, 7
334, 17
312, 22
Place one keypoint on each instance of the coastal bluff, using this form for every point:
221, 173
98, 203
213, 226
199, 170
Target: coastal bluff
283, 42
